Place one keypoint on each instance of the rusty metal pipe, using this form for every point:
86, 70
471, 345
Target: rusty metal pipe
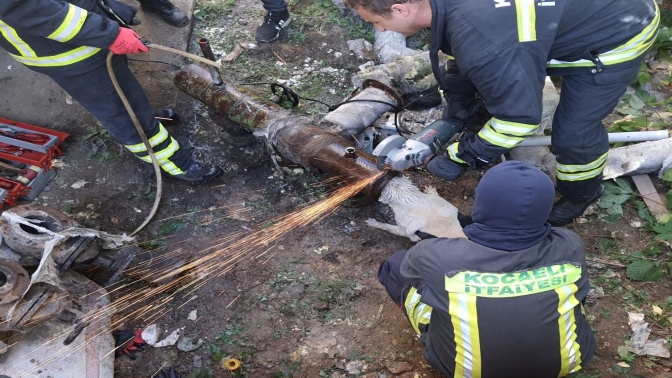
204, 44
295, 137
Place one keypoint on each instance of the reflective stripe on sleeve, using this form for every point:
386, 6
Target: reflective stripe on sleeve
13, 38
64, 59
71, 25
452, 152
505, 134
463, 315
570, 351
417, 312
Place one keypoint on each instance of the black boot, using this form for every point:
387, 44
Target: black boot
199, 173
273, 23
170, 13
567, 209
166, 116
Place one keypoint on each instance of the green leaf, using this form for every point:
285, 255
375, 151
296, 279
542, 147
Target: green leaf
668, 199
170, 228
643, 78
636, 103
628, 111
645, 96
199, 14
616, 368
643, 270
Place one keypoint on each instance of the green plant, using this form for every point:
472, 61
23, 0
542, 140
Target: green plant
201, 373
616, 193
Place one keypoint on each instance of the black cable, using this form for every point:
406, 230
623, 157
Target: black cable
293, 97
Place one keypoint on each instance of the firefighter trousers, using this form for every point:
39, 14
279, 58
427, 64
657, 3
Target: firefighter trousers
579, 138
96, 93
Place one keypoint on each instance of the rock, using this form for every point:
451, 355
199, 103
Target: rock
187, 343
409, 374
354, 367
198, 361
362, 47
321, 306
369, 375
294, 290
397, 367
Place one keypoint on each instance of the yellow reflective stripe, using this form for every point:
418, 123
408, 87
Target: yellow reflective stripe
579, 172
13, 38
633, 48
527, 18
71, 25
513, 128
154, 141
64, 59
464, 317
163, 158
411, 302
570, 351
502, 140
452, 152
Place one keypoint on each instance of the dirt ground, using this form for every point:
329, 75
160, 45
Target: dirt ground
312, 306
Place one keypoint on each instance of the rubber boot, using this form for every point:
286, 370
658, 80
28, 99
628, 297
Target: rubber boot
565, 210
169, 12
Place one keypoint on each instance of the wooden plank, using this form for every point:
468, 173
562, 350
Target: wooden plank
653, 200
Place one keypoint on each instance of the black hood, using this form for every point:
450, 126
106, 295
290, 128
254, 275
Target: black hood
513, 201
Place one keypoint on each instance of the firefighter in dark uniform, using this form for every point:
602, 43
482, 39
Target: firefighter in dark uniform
69, 42
506, 302
505, 49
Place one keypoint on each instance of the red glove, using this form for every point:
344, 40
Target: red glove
127, 42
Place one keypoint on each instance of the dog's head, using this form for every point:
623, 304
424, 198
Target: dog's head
399, 189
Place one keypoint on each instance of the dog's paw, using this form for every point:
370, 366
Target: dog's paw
372, 222
414, 238
431, 190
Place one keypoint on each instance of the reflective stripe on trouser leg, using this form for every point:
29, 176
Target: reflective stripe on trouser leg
579, 138
95, 92
163, 146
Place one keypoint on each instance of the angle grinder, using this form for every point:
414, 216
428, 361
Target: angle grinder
398, 153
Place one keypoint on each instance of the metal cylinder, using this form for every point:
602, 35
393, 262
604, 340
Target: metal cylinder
206, 50
296, 137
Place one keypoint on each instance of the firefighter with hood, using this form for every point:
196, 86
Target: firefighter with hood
69, 42
508, 301
504, 49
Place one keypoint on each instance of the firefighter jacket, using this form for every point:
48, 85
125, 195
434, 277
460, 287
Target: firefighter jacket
59, 36
507, 47
507, 301
483, 312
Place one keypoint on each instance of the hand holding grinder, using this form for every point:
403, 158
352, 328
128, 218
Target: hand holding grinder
398, 153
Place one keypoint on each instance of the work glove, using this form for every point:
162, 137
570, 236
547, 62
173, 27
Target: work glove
127, 42
444, 167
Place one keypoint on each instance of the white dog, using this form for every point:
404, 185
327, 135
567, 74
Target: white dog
418, 211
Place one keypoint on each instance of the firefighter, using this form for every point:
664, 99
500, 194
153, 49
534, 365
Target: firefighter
506, 302
504, 49
69, 42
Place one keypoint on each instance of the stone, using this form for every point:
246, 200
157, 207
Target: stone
198, 361
294, 290
187, 343
321, 306
398, 367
